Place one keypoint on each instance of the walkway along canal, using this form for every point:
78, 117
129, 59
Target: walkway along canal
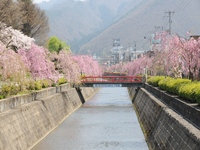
106, 121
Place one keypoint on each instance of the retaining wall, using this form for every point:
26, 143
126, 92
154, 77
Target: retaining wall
164, 128
16, 101
25, 120
88, 92
190, 111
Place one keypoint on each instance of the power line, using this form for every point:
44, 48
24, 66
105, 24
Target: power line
183, 5
165, 21
180, 6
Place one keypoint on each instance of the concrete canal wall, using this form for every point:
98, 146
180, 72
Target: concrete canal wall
25, 120
164, 126
167, 123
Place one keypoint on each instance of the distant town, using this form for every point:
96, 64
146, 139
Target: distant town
119, 54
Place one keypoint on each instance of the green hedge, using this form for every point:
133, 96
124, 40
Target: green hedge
62, 81
173, 85
190, 92
184, 88
9, 89
162, 84
154, 80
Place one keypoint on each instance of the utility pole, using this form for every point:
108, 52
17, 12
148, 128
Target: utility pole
129, 52
135, 51
170, 19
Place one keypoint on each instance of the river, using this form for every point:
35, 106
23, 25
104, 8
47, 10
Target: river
107, 121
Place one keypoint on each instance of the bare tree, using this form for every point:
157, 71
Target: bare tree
27, 17
10, 14
35, 21
40, 27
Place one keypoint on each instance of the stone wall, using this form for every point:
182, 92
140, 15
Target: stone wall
163, 127
26, 119
191, 111
88, 92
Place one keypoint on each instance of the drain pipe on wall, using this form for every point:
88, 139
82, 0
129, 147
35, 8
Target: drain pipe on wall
78, 90
135, 95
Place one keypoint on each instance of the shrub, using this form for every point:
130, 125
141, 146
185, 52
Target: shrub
173, 85
9, 89
184, 88
38, 85
46, 83
196, 93
62, 81
186, 91
2, 96
30, 85
162, 83
155, 80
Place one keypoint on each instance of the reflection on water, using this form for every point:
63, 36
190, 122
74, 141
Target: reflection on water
106, 122
110, 97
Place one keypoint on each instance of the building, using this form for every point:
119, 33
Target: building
119, 54
116, 54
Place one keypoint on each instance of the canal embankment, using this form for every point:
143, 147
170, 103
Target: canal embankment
167, 122
26, 119
107, 121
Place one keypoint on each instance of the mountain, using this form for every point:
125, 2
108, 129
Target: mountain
91, 25
77, 22
137, 27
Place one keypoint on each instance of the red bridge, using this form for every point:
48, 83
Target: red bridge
111, 81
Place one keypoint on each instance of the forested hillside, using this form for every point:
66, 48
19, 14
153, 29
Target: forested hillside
77, 22
90, 26
138, 27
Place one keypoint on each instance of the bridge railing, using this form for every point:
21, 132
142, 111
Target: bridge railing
112, 79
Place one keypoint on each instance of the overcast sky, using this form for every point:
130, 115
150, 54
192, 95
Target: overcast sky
39, 1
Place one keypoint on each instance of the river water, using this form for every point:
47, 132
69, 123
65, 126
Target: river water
105, 122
